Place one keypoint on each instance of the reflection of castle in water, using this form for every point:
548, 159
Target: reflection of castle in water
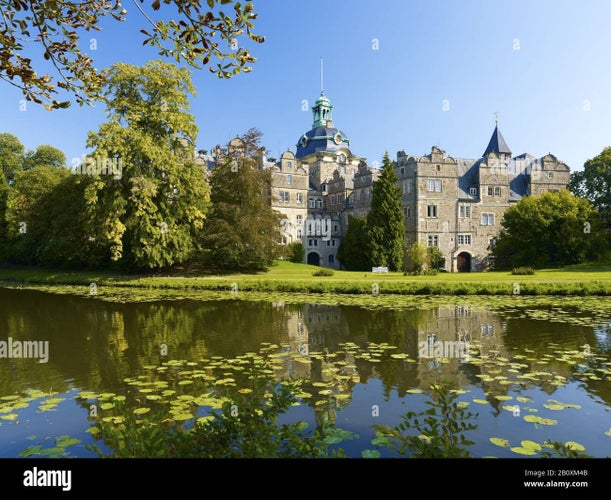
449, 336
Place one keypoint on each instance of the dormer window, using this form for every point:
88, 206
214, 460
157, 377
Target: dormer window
473, 191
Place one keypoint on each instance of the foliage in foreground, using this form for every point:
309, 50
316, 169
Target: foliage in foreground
439, 429
247, 427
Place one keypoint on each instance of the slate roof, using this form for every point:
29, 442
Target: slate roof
497, 143
321, 139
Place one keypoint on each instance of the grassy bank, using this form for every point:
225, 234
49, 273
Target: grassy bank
286, 277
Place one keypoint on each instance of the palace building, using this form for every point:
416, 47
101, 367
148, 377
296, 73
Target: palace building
452, 203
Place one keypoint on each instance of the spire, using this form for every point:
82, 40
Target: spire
321, 79
323, 112
497, 143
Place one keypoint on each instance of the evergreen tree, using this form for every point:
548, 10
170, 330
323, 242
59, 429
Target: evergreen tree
385, 223
242, 231
353, 251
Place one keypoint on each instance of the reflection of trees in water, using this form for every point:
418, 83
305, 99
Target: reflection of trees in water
100, 343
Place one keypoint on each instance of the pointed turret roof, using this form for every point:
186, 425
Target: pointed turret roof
497, 144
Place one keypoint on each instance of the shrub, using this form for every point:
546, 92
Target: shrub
323, 272
437, 432
523, 270
296, 252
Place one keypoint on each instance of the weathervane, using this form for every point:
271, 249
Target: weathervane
496, 117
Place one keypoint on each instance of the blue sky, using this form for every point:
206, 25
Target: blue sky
401, 74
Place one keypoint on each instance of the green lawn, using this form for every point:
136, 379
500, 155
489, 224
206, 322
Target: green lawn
590, 279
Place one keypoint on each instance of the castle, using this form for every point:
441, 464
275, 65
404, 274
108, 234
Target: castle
452, 203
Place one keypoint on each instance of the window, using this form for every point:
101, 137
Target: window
299, 219
323, 188
433, 240
289, 165
465, 212
299, 234
289, 178
550, 175
464, 239
340, 198
497, 191
402, 170
332, 243
487, 219
333, 199
284, 196
310, 243
319, 203
299, 198
331, 258
315, 243
335, 228
311, 202
328, 243
434, 185
490, 191
473, 191
409, 185
408, 212
431, 211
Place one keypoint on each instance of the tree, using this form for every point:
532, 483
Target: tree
385, 223
11, 155
4, 194
243, 231
353, 250
194, 35
297, 252
44, 155
552, 229
147, 200
416, 258
30, 212
435, 258
594, 184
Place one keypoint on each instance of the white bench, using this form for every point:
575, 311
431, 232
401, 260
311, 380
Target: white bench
379, 269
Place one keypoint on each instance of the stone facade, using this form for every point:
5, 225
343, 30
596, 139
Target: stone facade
458, 204
453, 203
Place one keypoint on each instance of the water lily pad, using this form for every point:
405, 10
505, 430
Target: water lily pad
9, 398
532, 418
414, 391
499, 441
555, 407
480, 401
523, 451
370, 454
10, 416
93, 430
530, 444
141, 411
107, 406
523, 399
503, 398
185, 382
575, 446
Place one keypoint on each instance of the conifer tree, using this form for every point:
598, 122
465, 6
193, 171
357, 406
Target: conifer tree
385, 223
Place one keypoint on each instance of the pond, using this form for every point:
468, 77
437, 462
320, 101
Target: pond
531, 372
